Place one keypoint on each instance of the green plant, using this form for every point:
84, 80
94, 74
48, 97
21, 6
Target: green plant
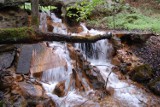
27, 6
158, 1
83, 9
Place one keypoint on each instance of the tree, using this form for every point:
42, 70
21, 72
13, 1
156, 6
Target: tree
35, 13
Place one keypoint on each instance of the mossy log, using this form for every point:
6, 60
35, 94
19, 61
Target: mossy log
29, 35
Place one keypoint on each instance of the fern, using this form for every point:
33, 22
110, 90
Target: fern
84, 9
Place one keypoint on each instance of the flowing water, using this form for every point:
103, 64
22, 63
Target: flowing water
125, 94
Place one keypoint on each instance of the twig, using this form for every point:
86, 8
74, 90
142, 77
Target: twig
108, 78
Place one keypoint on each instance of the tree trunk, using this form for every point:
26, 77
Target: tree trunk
29, 35
35, 13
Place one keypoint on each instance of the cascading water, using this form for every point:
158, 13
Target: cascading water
98, 54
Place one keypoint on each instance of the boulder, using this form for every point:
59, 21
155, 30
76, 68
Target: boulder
31, 90
6, 59
95, 78
142, 73
60, 89
154, 85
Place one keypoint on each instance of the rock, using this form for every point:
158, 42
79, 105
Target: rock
60, 89
135, 39
24, 60
124, 67
49, 24
19, 78
142, 73
154, 85
38, 75
40, 102
5, 80
30, 90
44, 58
149, 53
116, 61
6, 59
86, 65
95, 78
34, 58
11, 2
13, 17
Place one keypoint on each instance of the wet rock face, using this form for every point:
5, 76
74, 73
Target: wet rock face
150, 53
37, 58
142, 73
44, 58
141, 61
95, 78
13, 17
85, 71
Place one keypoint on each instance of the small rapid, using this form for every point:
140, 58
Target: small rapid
98, 54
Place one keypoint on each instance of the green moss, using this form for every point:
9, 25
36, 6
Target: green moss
14, 34
35, 21
154, 85
142, 73
1, 104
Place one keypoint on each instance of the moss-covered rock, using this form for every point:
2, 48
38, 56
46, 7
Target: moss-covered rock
14, 34
142, 73
154, 85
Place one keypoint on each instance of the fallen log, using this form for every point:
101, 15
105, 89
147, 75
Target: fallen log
29, 35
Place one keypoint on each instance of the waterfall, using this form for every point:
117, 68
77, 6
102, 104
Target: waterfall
98, 54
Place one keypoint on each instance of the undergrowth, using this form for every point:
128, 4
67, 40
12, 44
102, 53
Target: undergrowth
129, 20
27, 6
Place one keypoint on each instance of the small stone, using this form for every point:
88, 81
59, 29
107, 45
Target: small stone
59, 89
19, 78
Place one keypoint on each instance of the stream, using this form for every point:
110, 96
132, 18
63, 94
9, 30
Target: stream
125, 93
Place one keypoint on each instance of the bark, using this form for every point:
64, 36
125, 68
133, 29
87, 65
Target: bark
29, 35
35, 13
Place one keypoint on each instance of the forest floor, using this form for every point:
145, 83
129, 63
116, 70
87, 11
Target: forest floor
131, 15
